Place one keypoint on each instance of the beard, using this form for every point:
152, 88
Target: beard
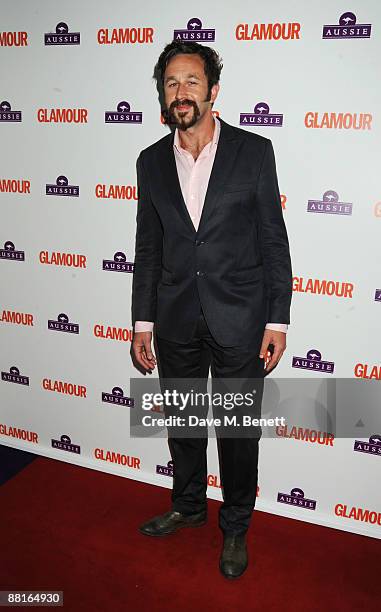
181, 119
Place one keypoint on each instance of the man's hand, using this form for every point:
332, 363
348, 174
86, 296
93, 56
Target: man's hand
141, 348
278, 339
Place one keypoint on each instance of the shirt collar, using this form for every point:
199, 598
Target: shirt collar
209, 145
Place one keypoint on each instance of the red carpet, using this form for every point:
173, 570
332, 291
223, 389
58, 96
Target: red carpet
74, 529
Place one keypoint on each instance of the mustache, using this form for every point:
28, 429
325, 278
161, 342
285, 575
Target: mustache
177, 103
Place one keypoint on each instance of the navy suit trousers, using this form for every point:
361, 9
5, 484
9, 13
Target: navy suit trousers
238, 454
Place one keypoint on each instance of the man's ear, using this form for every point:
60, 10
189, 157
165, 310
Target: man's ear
214, 92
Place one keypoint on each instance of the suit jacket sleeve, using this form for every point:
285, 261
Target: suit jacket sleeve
273, 241
148, 252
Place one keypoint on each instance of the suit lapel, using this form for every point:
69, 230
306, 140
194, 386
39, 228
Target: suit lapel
224, 160
171, 180
227, 149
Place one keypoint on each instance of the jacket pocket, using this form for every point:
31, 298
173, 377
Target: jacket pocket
246, 275
233, 187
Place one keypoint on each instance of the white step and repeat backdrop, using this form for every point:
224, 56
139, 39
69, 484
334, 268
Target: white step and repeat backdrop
77, 105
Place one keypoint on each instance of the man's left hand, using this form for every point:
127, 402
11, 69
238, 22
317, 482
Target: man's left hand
278, 339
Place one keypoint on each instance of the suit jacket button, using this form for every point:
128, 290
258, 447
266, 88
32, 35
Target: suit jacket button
200, 273
198, 242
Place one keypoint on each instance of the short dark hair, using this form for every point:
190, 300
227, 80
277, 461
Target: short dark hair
212, 61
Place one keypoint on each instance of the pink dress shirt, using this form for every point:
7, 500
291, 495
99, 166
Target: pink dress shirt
194, 178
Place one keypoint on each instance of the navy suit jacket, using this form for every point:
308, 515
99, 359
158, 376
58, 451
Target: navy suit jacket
237, 264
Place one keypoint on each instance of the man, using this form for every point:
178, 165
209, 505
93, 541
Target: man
212, 271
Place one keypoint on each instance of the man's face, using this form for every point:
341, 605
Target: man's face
186, 90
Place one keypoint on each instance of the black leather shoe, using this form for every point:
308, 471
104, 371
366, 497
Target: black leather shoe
233, 560
172, 521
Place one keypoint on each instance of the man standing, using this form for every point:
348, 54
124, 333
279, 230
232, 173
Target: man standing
212, 270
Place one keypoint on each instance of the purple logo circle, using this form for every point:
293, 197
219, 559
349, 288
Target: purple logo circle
375, 439
62, 181
9, 246
123, 107
314, 355
297, 492
261, 108
5, 106
63, 318
62, 28
119, 256
117, 391
14, 370
347, 19
330, 196
194, 24
65, 439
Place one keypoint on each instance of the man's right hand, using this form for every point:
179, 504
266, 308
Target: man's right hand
141, 348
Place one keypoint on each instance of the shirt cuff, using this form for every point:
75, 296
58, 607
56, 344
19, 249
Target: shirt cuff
282, 327
143, 326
